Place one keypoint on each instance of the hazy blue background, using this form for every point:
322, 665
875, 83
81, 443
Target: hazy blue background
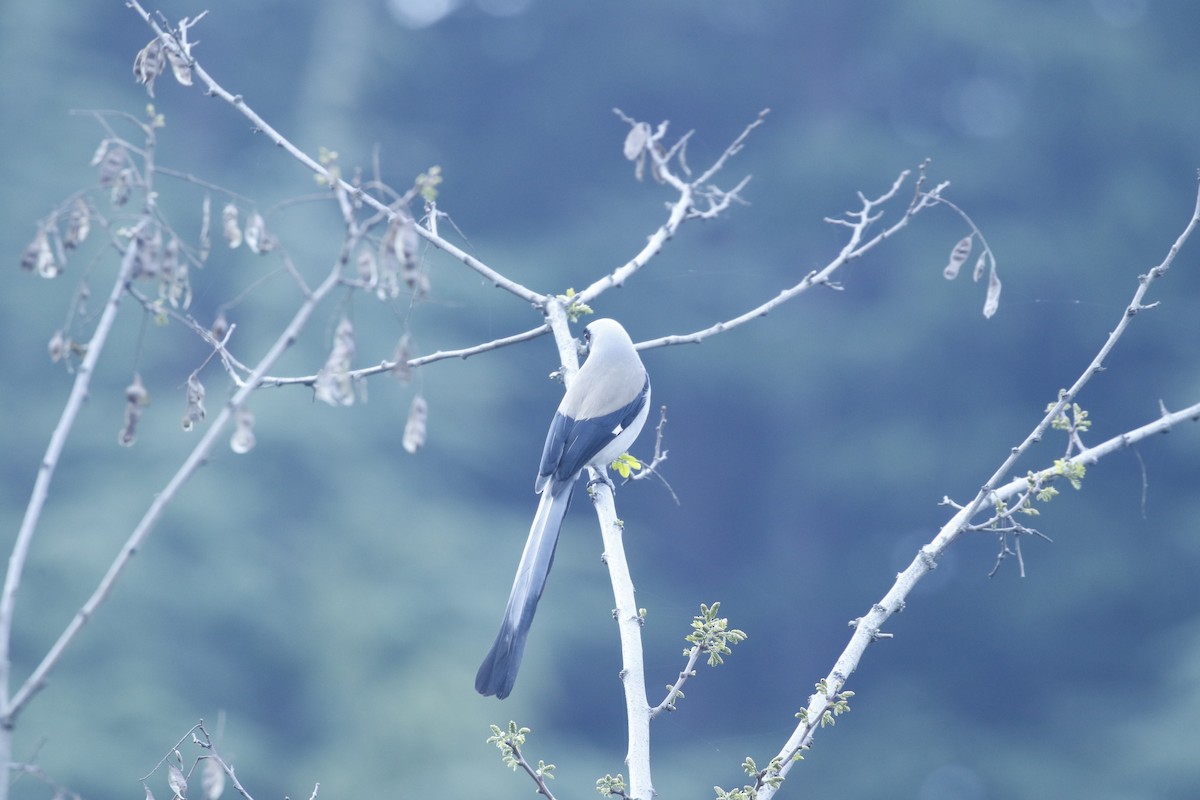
333, 595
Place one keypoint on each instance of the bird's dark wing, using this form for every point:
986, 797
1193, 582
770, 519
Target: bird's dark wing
571, 444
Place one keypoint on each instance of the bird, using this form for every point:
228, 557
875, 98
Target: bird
600, 416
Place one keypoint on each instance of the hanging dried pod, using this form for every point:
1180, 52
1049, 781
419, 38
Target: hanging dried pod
110, 159
992, 302
136, 398
39, 256
957, 257
401, 369
176, 782
195, 412
368, 268
148, 64
257, 238
220, 326
205, 228
180, 67
212, 779
414, 428
229, 226
334, 385
242, 441
78, 224
636, 139
388, 287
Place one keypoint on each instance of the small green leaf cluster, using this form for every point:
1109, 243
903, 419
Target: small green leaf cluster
712, 634
1073, 471
508, 742
575, 309
840, 704
610, 786
766, 777
1078, 421
157, 120
1045, 494
427, 183
626, 465
329, 160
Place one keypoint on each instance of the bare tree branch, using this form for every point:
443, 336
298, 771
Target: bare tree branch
867, 628
195, 459
173, 43
419, 361
858, 222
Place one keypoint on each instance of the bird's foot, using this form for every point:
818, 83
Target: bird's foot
602, 479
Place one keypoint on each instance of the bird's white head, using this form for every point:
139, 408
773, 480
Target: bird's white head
605, 334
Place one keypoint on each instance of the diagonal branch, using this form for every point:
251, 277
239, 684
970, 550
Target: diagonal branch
867, 628
172, 43
37, 679
58, 439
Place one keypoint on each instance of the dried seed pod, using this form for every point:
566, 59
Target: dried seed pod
111, 159
148, 64
122, 186
147, 255
636, 140
257, 238
407, 242
401, 369
33, 251
958, 256
205, 228
242, 441
220, 326
414, 428
980, 265
78, 224
39, 256
136, 398
368, 268
180, 68
388, 287
195, 402
992, 301
100, 153
58, 346
229, 223
176, 781
175, 285
212, 779
334, 384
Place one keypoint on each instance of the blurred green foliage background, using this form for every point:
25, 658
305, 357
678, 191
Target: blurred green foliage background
330, 596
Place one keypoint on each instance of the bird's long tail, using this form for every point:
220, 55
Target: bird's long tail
498, 672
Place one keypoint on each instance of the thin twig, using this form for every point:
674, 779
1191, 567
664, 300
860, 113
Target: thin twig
419, 361
660, 455
676, 689
858, 223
